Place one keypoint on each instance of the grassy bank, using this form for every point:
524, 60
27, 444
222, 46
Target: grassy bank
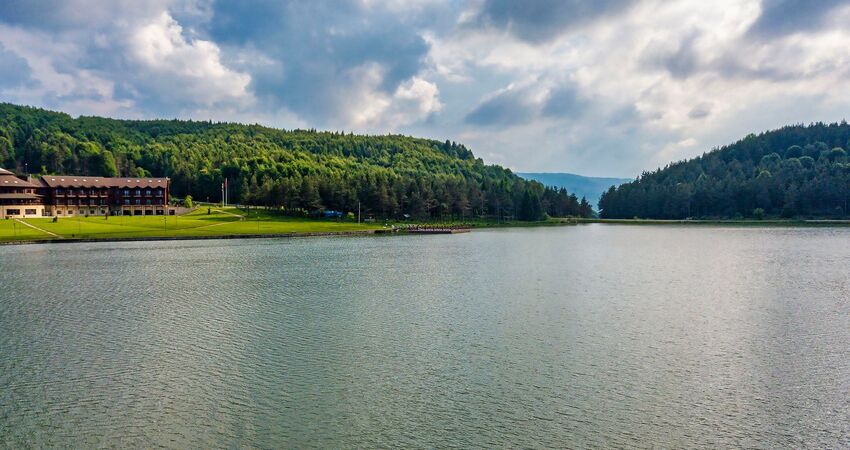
219, 222
208, 222
232, 222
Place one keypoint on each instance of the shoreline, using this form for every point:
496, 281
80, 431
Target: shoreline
196, 238
293, 234
813, 223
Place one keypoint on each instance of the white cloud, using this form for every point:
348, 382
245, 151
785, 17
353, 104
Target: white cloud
192, 70
687, 69
630, 88
414, 100
366, 107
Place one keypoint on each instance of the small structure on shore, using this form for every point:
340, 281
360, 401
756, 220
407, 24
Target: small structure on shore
424, 229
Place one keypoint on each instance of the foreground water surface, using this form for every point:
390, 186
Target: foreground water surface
538, 337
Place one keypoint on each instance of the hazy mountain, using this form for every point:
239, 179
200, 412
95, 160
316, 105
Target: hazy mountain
589, 187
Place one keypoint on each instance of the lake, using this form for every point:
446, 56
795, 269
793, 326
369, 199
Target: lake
592, 335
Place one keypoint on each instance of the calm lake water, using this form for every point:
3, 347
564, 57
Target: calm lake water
615, 336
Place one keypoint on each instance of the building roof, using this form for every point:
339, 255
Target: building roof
5, 172
75, 181
20, 197
10, 180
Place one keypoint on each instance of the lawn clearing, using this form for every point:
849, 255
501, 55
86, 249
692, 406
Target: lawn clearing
218, 222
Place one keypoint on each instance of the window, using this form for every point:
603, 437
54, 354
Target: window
138, 201
148, 202
30, 212
148, 192
126, 192
159, 192
59, 191
92, 211
13, 212
93, 192
148, 213
138, 192
158, 212
126, 201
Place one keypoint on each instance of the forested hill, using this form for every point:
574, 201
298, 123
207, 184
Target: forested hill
301, 171
796, 171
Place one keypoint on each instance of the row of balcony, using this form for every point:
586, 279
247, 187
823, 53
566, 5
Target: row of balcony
66, 202
106, 194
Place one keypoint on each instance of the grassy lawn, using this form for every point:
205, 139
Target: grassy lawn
11, 230
219, 222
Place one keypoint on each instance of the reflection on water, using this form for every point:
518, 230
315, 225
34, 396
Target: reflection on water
577, 336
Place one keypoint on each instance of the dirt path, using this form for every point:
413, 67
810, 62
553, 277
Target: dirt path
229, 213
209, 226
39, 229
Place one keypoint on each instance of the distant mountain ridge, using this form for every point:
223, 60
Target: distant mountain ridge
589, 187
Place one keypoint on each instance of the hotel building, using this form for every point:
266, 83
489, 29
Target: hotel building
20, 197
69, 195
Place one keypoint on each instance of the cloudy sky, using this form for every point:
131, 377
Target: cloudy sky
604, 87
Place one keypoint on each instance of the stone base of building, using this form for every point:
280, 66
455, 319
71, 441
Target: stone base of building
71, 211
22, 211
157, 210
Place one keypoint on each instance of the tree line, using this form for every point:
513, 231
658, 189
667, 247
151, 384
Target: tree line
796, 171
297, 171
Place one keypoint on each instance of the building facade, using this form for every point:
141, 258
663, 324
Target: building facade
20, 197
69, 195
98, 196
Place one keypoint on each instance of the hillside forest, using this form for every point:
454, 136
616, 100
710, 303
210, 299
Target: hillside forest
296, 171
800, 171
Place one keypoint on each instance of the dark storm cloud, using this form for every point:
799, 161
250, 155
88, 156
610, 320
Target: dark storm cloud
564, 102
683, 62
32, 13
507, 108
517, 106
62, 15
680, 63
779, 17
15, 71
314, 47
542, 20
700, 111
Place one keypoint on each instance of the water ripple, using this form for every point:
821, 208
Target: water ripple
576, 337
